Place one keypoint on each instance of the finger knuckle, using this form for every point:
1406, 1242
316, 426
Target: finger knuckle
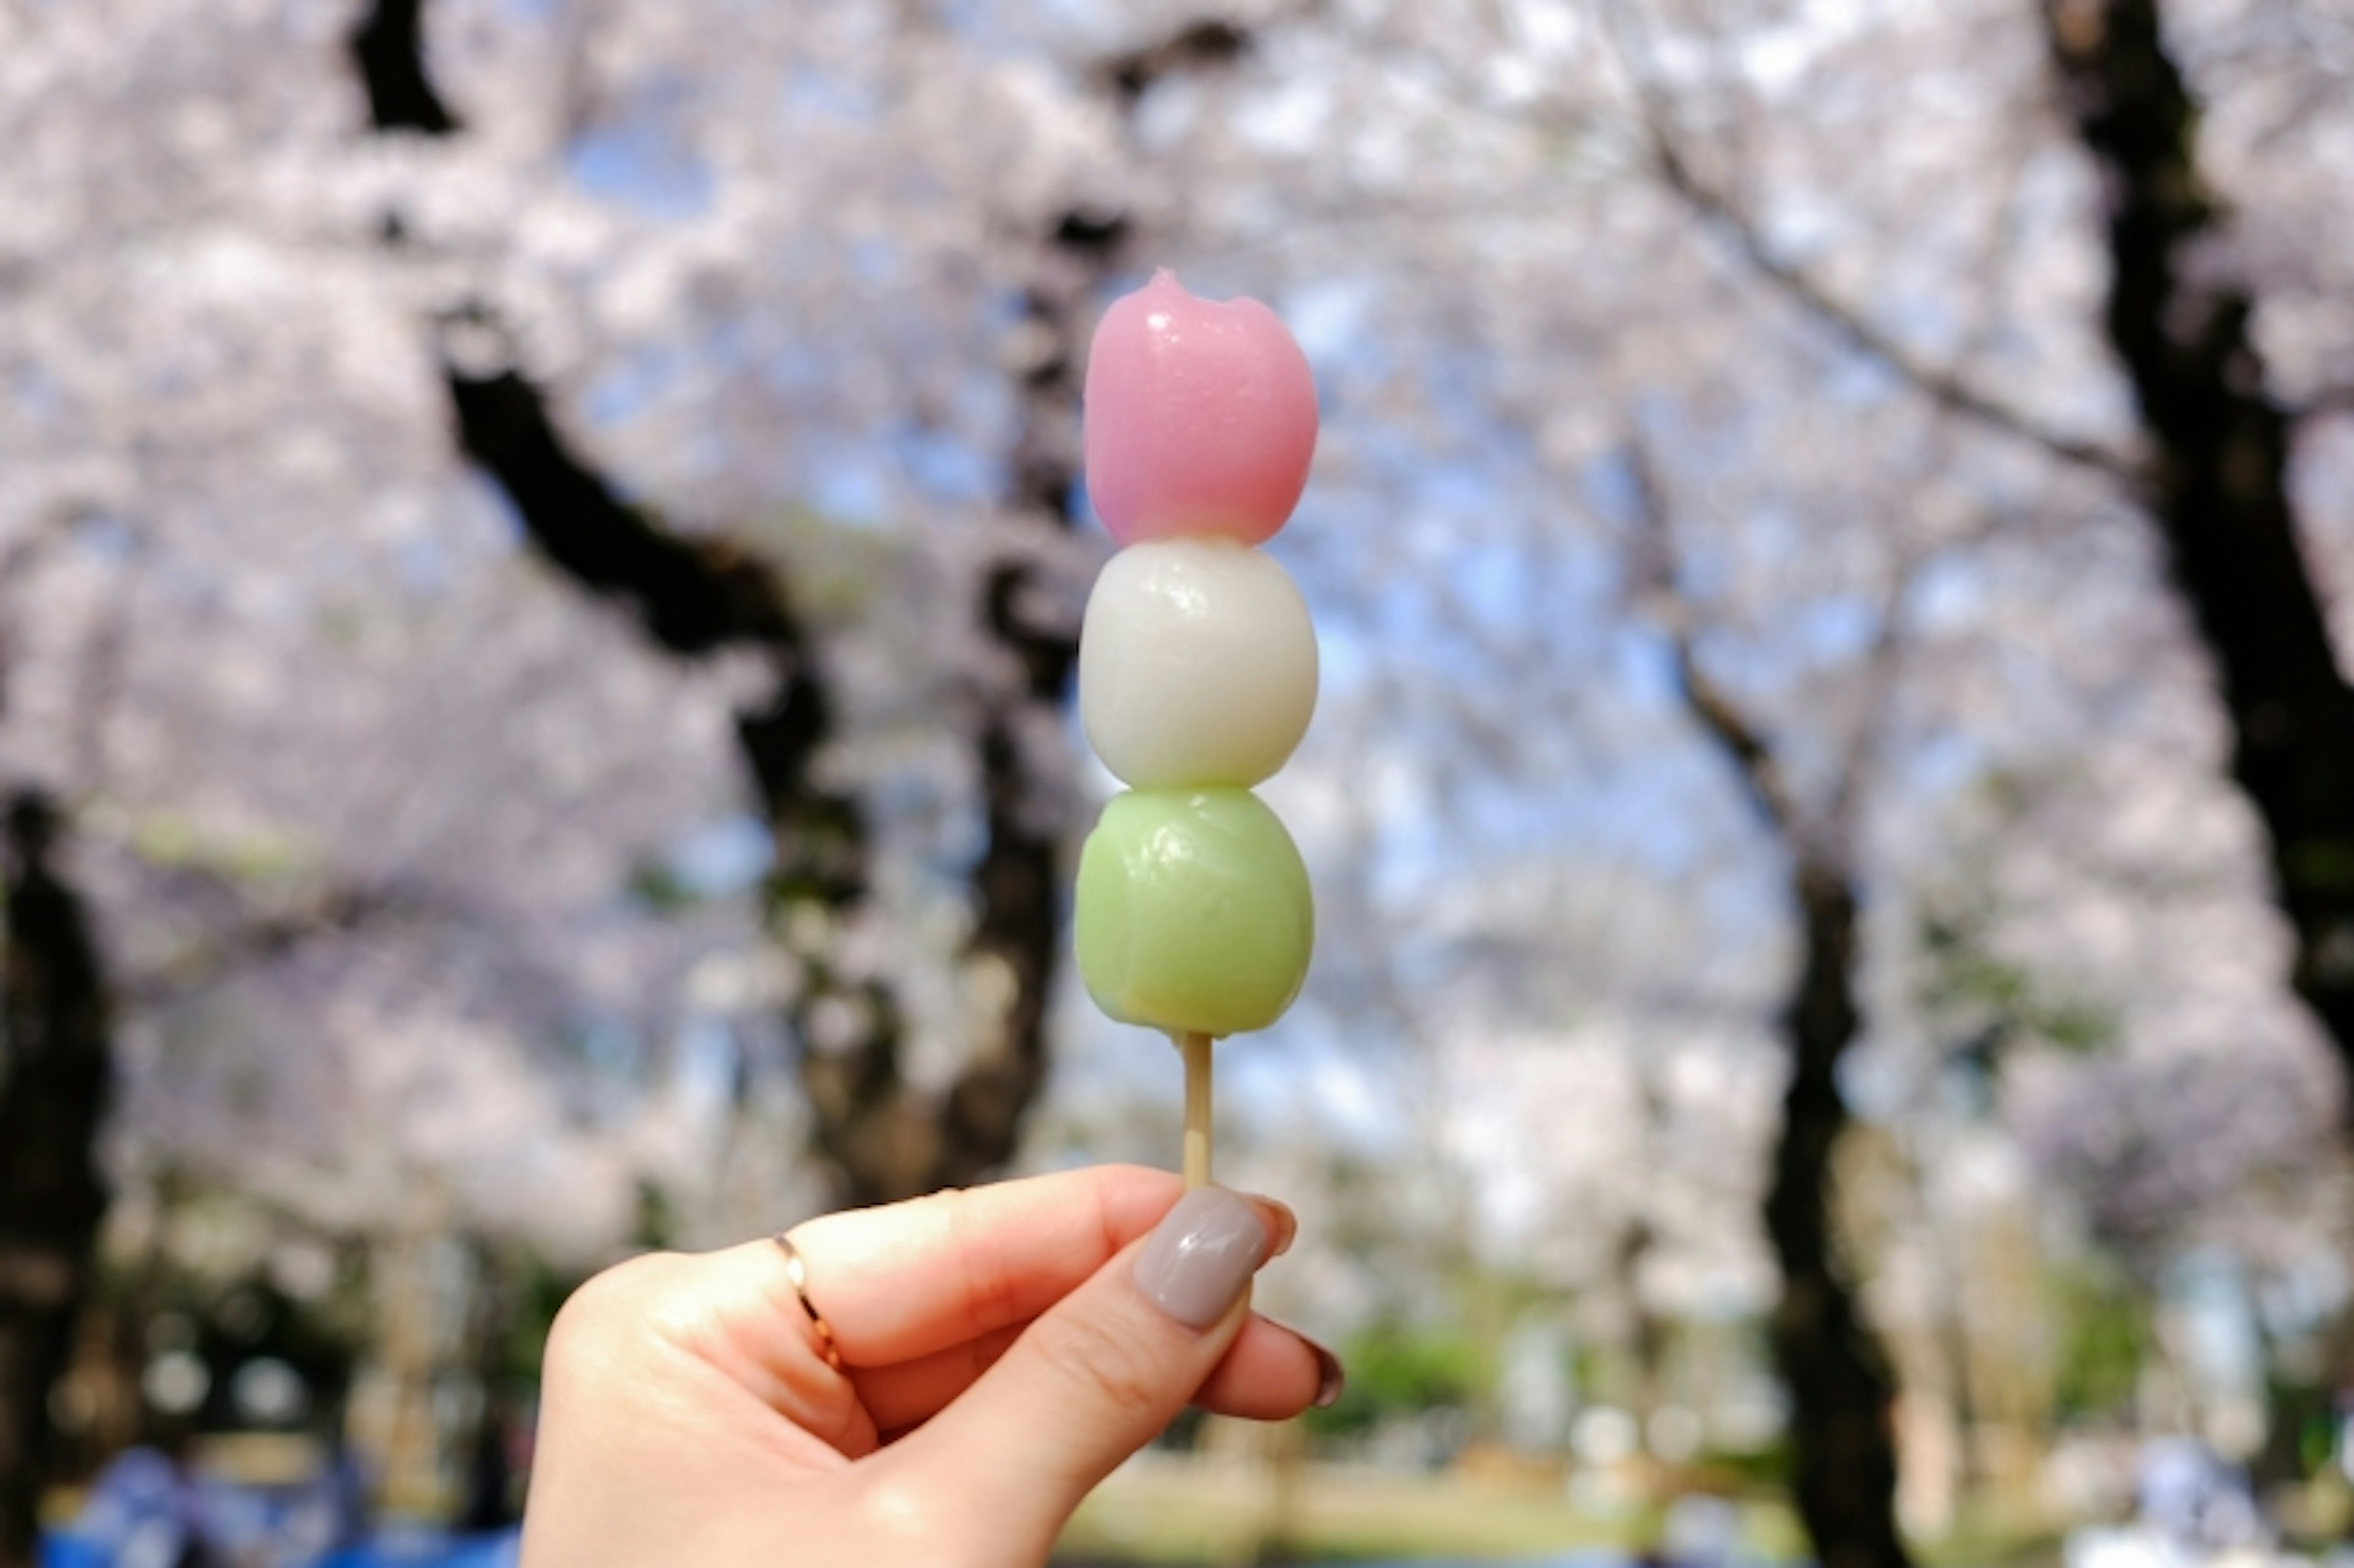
591, 1316
1106, 1364
992, 1294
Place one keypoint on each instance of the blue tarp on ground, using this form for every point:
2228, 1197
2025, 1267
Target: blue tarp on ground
403, 1549
417, 1552
65, 1551
143, 1510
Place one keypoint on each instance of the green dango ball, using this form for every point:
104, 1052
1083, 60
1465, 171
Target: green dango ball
1193, 912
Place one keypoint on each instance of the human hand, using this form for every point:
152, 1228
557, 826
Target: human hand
1002, 1349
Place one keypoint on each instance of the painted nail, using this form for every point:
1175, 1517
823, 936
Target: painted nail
1332, 1377
1202, 1255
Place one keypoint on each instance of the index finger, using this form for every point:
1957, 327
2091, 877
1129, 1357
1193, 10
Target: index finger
912, 1279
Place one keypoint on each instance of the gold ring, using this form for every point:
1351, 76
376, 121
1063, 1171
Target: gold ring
800, 1276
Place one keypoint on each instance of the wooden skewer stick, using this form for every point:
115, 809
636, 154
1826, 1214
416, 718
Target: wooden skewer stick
1196, 1050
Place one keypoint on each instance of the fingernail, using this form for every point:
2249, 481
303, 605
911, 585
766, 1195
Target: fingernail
1202, 1255
1287, 1223
1332, 1377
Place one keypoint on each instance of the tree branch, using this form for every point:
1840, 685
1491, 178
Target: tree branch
1720, 718
259, 939
1940, 385
1208, 43
388, 49
695, 598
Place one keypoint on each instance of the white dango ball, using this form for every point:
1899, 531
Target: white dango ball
1197, 665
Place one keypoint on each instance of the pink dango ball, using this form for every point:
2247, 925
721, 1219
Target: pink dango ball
1201, 417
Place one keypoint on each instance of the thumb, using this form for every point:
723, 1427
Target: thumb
1096, 1378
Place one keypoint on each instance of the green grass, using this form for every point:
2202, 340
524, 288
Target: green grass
1170, 1509
1166, 1508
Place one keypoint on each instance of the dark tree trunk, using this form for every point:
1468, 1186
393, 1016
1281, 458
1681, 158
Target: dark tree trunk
1842, 1439
55, 1071
1842, 1394
2219, 485
1017, 880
